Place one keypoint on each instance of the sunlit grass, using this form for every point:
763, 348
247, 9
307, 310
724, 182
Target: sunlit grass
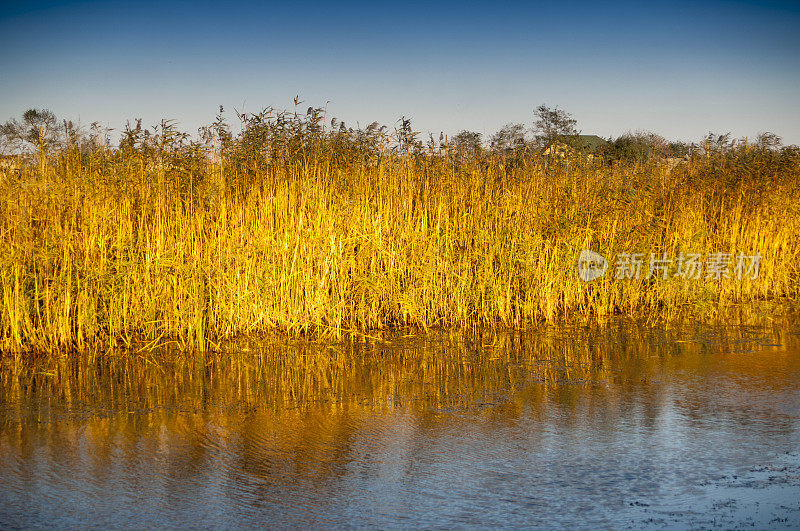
141, 249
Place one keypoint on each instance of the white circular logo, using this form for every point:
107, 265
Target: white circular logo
591, 265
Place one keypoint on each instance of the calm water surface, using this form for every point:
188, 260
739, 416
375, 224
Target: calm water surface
623, 425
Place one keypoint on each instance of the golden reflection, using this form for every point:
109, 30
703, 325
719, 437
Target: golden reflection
261, 423
287, 394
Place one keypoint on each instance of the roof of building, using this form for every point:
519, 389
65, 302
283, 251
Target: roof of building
591, 143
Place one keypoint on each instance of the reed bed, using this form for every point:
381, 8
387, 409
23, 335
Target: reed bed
163, 241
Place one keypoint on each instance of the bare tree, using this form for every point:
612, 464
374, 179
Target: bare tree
466, 143
38, 129
509, 137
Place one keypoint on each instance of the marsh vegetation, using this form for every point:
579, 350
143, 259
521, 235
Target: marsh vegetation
302, 225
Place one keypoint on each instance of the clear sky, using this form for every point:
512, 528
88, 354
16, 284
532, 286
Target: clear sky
677, 69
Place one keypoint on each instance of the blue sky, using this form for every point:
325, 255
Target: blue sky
678, 69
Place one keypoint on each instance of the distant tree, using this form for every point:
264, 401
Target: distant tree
638, 147
466, 143
769, 141
38, 129
509, 137
6, 145
555, 125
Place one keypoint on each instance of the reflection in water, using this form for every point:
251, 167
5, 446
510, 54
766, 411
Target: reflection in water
614, 425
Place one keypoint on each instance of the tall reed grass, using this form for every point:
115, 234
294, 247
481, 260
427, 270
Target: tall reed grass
294, 228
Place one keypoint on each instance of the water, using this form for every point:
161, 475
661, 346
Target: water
623, 425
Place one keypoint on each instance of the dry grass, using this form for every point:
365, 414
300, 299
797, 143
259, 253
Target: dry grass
140, 249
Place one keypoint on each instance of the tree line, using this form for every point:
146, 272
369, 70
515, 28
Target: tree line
273, 135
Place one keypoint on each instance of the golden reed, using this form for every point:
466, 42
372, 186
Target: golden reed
136, 247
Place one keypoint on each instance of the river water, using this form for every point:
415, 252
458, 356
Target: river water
624, 424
